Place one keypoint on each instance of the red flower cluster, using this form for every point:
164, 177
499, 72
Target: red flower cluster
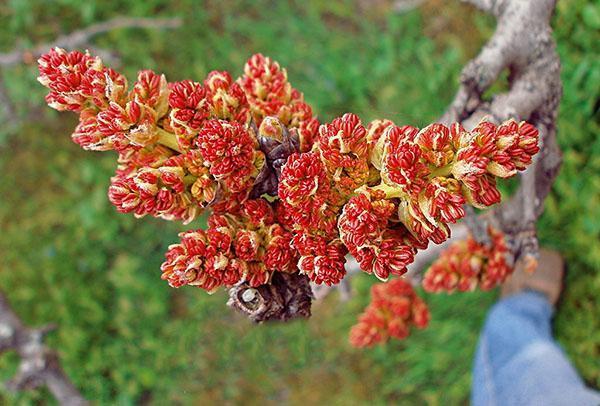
305, 190
79, 82
314, 186
394, 308
177, 188
230, 151
270, 94
226, 98
386, 191
380, 192
186, 146
436, 170
491, 151
343, 149
249, 246
198, 133
467, 265
380, 245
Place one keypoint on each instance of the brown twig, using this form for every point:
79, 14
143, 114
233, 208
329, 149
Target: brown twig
39, 365
83, 36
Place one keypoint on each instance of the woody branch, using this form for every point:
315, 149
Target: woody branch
523, 44
39, 365
83, 37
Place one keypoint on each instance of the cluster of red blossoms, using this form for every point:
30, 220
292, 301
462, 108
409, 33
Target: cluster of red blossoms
382, 192
248, 246
286, 193
394, 309
184, 147
468, 264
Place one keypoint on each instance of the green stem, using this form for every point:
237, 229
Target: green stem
189, 179
168, 140
390, 191
441, 171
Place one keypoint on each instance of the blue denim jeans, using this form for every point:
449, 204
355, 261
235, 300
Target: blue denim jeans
519, 363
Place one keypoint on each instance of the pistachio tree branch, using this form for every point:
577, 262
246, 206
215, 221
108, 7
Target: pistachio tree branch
83, 36
523, 44
39, 366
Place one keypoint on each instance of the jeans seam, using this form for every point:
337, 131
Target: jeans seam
487, 372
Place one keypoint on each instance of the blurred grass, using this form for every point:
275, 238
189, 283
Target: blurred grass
125, 337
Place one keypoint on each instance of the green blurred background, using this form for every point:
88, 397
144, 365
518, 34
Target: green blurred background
67, 256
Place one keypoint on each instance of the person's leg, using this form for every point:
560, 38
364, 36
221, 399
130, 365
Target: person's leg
517, 361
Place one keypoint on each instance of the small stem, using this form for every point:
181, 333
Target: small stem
189, 179
443, 171
168, 139
390, 191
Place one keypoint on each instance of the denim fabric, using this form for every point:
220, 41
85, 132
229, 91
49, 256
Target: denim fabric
519, 363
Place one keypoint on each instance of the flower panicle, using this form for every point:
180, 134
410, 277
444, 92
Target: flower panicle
248, 247
201, 128
395, 309
377, 191
467, 265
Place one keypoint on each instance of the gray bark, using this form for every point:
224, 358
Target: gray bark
523, 44
39, 366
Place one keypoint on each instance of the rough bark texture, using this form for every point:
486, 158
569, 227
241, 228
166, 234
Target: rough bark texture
523, 44
288, 296
39, 365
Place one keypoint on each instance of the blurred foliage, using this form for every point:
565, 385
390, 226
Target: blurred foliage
125, 337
